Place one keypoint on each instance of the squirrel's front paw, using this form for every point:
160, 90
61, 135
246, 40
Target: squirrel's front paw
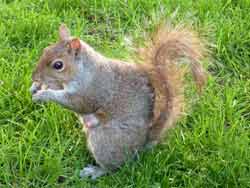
42, 96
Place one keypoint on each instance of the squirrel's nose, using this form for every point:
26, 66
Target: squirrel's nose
34, 87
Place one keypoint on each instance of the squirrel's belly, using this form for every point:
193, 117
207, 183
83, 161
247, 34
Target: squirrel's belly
111, 147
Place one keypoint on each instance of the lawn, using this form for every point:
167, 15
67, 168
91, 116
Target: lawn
210, 146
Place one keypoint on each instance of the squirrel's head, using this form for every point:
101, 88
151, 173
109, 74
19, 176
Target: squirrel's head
59, 62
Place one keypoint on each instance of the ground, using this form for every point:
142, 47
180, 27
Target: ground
43, 146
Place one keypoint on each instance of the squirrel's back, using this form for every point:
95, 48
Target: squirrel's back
154, 89
132, 92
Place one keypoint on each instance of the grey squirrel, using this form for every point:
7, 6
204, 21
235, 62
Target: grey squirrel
124, 107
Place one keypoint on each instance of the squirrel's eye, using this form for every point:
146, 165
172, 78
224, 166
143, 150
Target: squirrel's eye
58, 65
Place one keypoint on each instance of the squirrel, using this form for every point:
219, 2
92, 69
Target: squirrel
124, 107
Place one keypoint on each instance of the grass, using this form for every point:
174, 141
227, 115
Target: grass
210, 147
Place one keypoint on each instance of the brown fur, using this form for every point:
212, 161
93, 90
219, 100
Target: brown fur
46, 74
161, 54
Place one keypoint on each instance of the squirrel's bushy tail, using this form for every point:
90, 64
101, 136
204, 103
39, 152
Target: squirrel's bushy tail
168, 48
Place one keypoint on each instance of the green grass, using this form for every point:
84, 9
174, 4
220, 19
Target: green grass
210, 147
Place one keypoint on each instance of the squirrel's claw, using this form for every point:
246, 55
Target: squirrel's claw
42, 96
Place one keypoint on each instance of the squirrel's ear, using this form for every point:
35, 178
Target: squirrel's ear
64, 33
75, 44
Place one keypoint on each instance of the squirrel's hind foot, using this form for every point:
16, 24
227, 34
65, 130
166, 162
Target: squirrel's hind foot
92, 171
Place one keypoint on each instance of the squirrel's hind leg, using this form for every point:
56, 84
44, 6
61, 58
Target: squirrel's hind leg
92, 171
